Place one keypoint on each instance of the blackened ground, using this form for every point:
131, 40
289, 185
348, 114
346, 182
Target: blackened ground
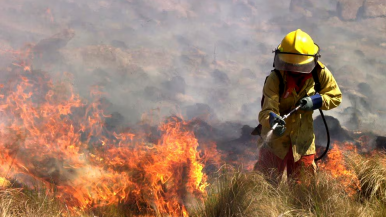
337, 132
236, 146
381, 143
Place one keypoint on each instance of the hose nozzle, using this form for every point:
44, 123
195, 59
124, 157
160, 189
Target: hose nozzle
286, 116
274, 126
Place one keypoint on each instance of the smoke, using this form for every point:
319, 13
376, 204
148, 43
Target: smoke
204, 58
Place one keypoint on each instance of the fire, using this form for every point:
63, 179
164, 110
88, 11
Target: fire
335, 165
52, 137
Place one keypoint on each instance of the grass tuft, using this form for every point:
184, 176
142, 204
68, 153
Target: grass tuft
371, 172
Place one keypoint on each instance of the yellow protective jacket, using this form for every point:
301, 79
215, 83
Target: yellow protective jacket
299, 125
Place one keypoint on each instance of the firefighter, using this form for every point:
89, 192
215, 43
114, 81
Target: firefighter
292, 83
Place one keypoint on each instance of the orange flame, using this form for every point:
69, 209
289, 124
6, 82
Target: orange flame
335, 165
52, 137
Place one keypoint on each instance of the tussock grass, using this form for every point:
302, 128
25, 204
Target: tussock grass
249, 194
235, 193
20, 202
371, 172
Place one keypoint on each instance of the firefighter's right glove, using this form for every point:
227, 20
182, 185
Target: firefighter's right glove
276, 119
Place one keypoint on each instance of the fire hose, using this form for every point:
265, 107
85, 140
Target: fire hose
328, 137
325, 124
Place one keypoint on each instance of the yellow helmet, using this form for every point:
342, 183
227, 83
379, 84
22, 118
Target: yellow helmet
297, 53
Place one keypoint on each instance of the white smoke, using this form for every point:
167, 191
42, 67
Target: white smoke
173, 55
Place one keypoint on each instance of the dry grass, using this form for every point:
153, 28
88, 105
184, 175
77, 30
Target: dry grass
235, 193
19, 202
371, 171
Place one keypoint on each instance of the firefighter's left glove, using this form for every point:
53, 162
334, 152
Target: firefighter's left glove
276, 119
310, 103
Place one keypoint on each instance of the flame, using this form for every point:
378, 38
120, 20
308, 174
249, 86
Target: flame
52, 137
335, 165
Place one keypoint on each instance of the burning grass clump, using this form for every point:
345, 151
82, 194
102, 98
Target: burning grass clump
234, 192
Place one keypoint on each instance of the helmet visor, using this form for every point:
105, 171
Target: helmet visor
294, 62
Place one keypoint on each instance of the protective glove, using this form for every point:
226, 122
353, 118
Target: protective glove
280, 128
310, 103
